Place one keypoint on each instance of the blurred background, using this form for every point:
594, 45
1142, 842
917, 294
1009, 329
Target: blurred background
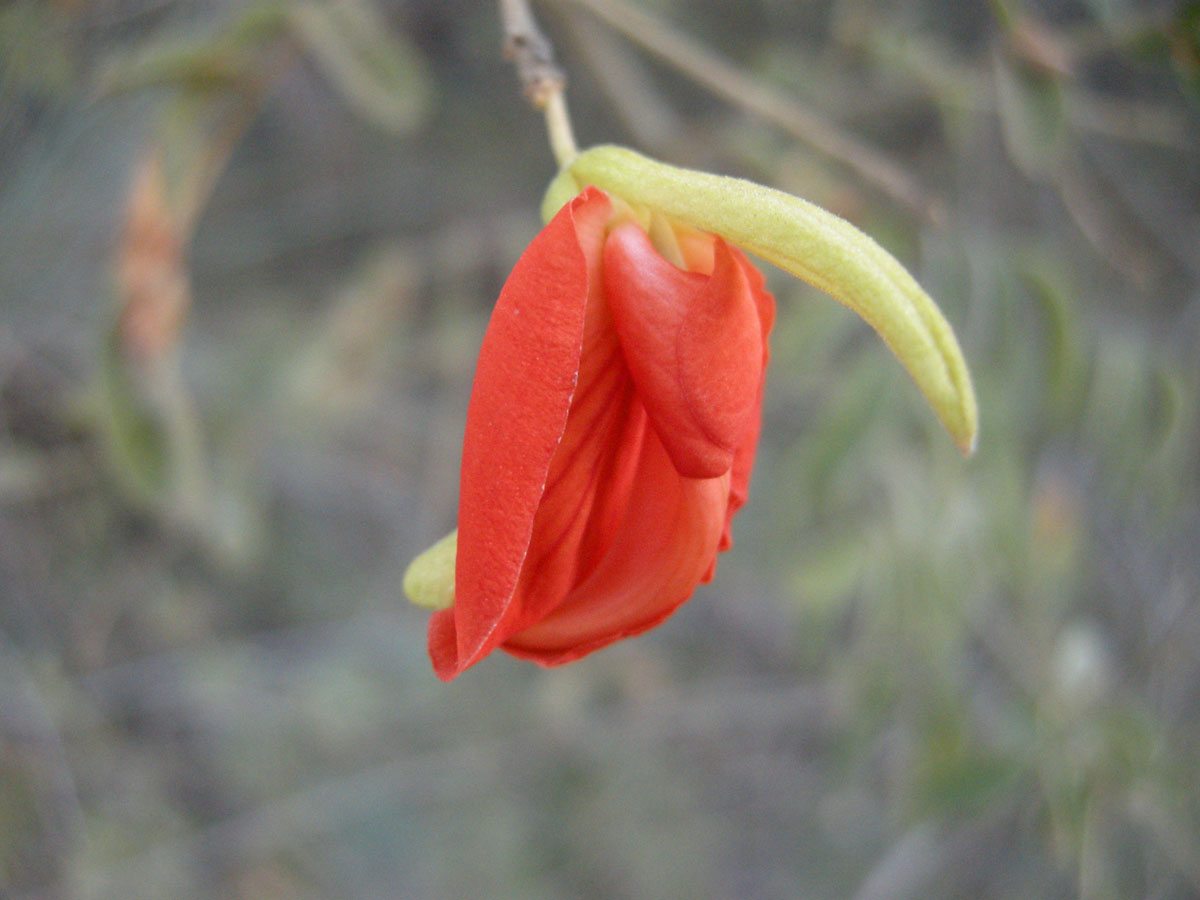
247, 253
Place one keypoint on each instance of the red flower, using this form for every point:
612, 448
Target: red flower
609, 439
613, 421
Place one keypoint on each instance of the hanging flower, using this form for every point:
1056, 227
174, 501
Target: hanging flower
615, 412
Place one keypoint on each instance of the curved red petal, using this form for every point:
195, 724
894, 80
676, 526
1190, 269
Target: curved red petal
666, 542
694, 346
743, 457
524, 384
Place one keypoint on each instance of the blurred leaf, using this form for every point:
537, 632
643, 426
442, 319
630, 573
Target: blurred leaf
954, 774
135, 437
149, 279
222, 80
153, 295
35, 57
1063, 333
146, 415
848, 418
196, 63
827, 569
1173, 463
1178, 42
1184, 37
1032, 114
339, 368
208, 62
1123, 400
151, 275
1165, 818
23, 473
376, 68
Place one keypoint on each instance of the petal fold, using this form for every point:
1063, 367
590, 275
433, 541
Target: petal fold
694, 346
667, 542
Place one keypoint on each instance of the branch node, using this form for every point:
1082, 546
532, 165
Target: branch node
529, 49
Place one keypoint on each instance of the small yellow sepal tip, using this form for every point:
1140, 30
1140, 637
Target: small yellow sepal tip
559, 193
429, 579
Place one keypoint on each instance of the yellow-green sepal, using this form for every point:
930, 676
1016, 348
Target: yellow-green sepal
812, 244
429, 579
561, 190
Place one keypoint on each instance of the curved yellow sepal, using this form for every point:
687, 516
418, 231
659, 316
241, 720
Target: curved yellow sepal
429, 579
814, 245
561, 189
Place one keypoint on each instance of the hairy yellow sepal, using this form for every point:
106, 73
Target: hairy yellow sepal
562, 188
429, 579
814, 245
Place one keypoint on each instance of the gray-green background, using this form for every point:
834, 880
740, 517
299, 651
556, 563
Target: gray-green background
914, 676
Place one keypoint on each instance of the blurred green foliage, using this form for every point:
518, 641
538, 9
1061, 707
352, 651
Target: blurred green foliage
914, 675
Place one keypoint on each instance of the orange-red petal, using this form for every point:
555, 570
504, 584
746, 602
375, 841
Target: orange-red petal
524, 384
667, 540
743, 458
609, 441
590, 477
694, 346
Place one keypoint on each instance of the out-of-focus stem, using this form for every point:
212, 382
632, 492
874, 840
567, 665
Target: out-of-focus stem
541, 78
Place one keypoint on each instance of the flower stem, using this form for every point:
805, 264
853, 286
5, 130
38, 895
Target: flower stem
543, 81
558, 123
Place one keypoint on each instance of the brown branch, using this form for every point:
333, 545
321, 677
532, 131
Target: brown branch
543, 81
531, 52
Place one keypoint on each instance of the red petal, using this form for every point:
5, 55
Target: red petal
524, 383
743, 457
590, 477
694, 346
666, 542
